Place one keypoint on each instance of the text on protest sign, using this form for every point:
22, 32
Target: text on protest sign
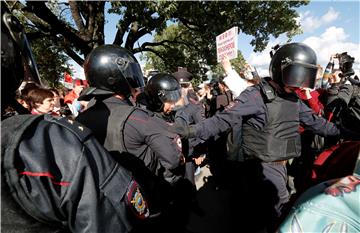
226, 44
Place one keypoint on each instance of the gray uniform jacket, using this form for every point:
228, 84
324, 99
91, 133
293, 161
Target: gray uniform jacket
250, 104
145, 136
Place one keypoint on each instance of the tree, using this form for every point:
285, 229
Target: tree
201, 21
182, 54
51, 61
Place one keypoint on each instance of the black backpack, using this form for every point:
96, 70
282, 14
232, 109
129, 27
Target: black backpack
17, 211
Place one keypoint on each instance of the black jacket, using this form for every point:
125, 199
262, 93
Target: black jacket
61, 176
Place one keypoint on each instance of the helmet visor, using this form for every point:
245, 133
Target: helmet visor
133, 75
170, 96
297, 74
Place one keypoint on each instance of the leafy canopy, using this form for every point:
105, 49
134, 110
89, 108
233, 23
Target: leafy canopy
184, 31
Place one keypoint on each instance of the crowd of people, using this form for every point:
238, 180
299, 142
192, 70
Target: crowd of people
55, 101
122, 153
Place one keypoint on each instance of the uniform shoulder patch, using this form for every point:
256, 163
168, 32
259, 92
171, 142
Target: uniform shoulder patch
135, 200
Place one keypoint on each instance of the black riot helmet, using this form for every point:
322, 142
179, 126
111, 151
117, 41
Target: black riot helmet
294, 65
162, 88
16, 56
111, 69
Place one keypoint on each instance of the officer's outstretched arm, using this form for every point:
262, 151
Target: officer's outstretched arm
184, 131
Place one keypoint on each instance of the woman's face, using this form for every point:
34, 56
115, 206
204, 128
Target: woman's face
46, 106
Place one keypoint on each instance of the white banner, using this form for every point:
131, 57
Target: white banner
227, 44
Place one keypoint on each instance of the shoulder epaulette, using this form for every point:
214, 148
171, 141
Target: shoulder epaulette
267, 91
78, 129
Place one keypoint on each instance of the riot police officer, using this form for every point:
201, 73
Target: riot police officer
156, 159
56, 177
270, 114
189, 111
163, 95
160, 95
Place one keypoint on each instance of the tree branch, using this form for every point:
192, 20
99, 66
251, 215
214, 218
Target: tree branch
77, 17
136, 34
153, 51
124, 25
163, 42
92, 16
74, 56
135, 37
189, 25
40, 9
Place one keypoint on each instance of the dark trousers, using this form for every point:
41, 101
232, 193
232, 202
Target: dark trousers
267, 184
276, 173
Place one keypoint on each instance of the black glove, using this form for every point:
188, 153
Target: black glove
183, 130
348, 134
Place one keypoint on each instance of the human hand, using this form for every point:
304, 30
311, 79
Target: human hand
307, 92
198, 161
226, 64
333, 57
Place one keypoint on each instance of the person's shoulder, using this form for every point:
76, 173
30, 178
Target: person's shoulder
140, 111
140, 115
48, 129
192, 107
251, 91
79, 130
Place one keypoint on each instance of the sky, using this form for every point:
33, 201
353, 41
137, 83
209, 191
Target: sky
328, 27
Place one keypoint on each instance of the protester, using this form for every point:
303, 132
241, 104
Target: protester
71, 99
41, 101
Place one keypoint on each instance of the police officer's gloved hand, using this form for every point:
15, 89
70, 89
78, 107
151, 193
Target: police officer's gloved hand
348, 134
183, 130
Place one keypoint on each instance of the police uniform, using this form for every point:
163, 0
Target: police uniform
190, 114
65, 181
137, 132
270, 136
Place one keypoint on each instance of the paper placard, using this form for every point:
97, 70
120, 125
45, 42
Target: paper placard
227, 44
